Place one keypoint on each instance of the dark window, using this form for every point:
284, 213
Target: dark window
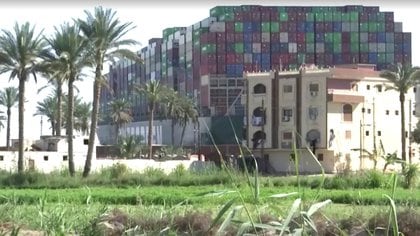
363, 110
320, 156
369, 110
287, 89
85, 141
1, 158
45, 158
367, 132
396, 112
379, 133
387, 112
379, 88
259, 89
414, 89
414, 113
368, 87
65, 158
347, 112
287, 135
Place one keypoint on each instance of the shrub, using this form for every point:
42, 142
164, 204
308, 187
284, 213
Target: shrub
179, 171
118, 170
410, 173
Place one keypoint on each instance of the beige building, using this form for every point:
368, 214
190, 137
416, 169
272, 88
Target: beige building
333, 112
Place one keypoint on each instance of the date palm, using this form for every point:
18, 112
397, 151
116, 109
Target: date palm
120, 114
104, 32
8, 98
48, 108
20, 55
155, 93
189, 113
403, 77
66, 60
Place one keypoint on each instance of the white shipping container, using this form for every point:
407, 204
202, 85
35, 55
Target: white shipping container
320, 47
373, 47
256, 47
292, 47
284, 37
265, 37
345, 27
206, 22
363, 37
247, 57
381, 47
188, 36
217, 27
398, 27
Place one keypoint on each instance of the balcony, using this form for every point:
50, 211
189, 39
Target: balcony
344, 96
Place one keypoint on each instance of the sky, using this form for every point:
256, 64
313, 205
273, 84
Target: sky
149, 19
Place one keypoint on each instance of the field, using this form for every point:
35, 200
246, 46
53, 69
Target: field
117, 201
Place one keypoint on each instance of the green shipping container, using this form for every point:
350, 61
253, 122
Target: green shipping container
208, 48
380, 16
354, 16
328, 37
381, 58
337, 16
283, 16
337, 37
319, 16
275, 27
354, 37
354, 47
227, 17
345, 16
381, 27
239, 27
281, 9
239, 47
265, 27
310, 17
373, 27
337, 47
310, 37
364, 47
217, 11
364, 27
301, 58
328, 16
389, 58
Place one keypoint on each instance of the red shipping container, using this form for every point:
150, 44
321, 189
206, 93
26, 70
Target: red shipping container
239, 58
301, 16
364, 58
265, 16
345, 37
284, 27
364, 17
274, 16
292, 26
221, 68
238, 16
389, 26
220, 37
204, 37
230, 26
239, 37
347, 58
319, 27
248, 67
328, 26
265, 47
275, 37
292, 57
221, 58
292, 16
309, 59
301, 47
204, 70
247, 16
204, 95
256, 37
300, 37
345, 47
255, 16
212, 69
292, 37
389, 17
275, 58
284, 59
220, 48
230, 58
230, 37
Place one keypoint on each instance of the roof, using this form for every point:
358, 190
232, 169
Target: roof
353, 73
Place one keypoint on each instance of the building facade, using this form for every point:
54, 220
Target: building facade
335, 113
206, 60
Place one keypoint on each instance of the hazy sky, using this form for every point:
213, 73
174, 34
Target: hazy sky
150, 19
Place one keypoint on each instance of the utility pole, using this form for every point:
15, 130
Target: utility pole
262, 129
409, 131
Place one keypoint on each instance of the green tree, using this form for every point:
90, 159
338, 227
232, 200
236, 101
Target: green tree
189, 113
8, 98
20, 54
66, 61
104, 32
120, 114
402, 78
155, 93
129, 146
48, 108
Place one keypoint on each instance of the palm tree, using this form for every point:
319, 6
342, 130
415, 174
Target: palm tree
104, 32
66, 62
8, 98
48, 108
403, 78
20, 55
120, 114
173, 111
189, 112
81, 114
154, 93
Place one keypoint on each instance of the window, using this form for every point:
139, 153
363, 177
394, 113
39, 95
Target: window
379, 133
379, 87
1, 158
354, 87
368, 87
396, 112
45, 158
287, 135
348, 134
367, 132
86, 141
287, 115
258, 139
369, 111
387, 112
313, 113
363, 110
414, 112
347, 112
287, 88
320, 156
286, 140
65, 158
406, 134
259, 89
414, 89
258, 117
313, 89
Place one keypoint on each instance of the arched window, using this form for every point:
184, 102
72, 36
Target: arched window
259, 89
347, 112
257, 139
258, 117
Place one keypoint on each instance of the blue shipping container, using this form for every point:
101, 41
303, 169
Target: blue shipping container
239, 69
275, 47
337, 26
248, 37
329, 48
265, 67
256, 58
301, 27
248, 47
284, 47
256, 26
309, 27
265, 58
338, 58
381, 37
247, 27
373, 58
230, 70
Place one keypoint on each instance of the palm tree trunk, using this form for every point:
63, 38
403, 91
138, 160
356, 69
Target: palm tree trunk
70, 125
173, 132
59, 115
403, 138
94, 120
181, 142
53, 125
150, 134
22, 81
9, 113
